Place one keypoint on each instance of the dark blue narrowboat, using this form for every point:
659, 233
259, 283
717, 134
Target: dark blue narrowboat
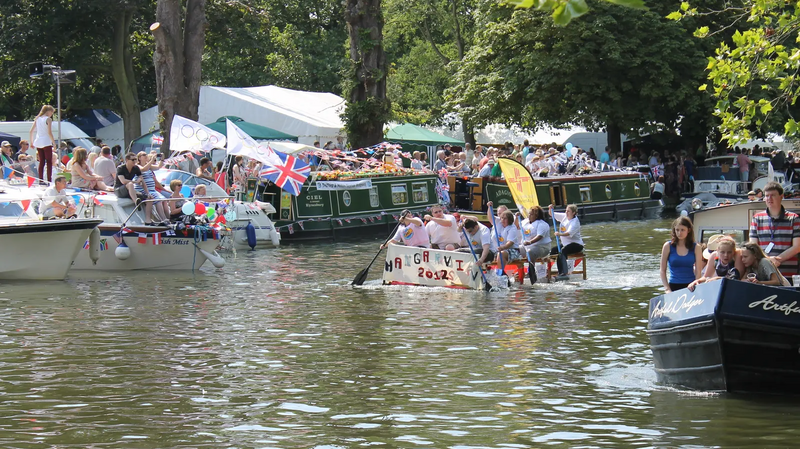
728, 335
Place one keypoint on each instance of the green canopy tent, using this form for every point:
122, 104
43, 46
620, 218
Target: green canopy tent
257, 132
416, 138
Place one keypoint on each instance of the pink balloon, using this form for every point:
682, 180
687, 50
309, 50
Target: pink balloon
199, 209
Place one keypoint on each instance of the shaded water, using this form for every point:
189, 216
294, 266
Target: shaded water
277, 350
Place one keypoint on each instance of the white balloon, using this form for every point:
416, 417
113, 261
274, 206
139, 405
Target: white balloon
684, 213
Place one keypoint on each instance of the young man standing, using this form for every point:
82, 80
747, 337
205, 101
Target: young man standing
777, 231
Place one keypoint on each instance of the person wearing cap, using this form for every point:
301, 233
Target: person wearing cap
724, 260
751, 196
487, 169
6, 156
777, 231
411, 232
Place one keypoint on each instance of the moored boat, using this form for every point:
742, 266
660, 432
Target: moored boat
34, 249
727, 335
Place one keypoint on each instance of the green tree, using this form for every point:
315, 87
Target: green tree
754, 75
622, 69
426, 40
102, 40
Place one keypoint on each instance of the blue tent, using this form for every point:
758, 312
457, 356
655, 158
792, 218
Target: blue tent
90, 120
14, 140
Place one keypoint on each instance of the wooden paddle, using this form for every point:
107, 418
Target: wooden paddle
362, 275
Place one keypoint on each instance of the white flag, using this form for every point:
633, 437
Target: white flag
240, 143
188, 135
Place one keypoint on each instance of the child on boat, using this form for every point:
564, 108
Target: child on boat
724, 260
758, 268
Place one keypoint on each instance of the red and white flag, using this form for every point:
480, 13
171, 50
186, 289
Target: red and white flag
142, 238
156, 239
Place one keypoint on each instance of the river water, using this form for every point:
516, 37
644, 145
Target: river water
277, 350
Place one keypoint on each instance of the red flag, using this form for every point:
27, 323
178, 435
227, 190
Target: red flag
96, 201
142, 238
25, 204
30, 180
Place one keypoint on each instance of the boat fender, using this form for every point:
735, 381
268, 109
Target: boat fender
122, 252
215, 258
250, 230
276, 237
94, 245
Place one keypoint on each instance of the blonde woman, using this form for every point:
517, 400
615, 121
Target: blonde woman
82, 175
44, 140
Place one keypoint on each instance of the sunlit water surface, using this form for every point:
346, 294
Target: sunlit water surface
277, 350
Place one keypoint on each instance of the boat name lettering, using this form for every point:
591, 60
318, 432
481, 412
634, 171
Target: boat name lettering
676, 306
314, 197
424, 257
769, 304
168, 241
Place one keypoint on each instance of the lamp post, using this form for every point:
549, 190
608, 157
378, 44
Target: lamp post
60, 77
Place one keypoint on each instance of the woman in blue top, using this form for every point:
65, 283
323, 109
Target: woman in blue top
681, 257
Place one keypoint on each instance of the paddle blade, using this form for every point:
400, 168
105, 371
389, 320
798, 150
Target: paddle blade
361, 277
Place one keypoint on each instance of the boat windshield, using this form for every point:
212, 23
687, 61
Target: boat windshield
10, 209
165, 176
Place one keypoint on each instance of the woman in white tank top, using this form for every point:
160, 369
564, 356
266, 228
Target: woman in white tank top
44, 140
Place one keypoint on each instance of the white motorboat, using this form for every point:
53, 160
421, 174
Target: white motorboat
732, 219
243, 214
34, 249
173, 247
720, 176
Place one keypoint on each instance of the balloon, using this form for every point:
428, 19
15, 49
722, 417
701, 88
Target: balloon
230, 216
684, 213
200, 209
568, 146
186, 191
187, 208
211, 213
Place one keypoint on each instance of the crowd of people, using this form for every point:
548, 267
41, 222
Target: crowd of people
769, 257
511, 237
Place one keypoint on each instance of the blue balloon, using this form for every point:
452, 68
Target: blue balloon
186, 191
568, 146
188, 208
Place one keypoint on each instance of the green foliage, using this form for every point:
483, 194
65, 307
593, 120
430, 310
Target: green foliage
563, 11
754, 75
613, 66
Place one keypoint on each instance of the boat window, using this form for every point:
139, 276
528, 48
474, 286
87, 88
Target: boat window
190, 180
10, 209
420, 191
608, 191
636, 189
586, 194
374, 200
107, 213
738, 235
399, 194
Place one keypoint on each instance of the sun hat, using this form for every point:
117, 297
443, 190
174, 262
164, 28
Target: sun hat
752, 192
713, 244
5, 144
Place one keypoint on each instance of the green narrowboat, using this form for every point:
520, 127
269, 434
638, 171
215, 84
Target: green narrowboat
325, 214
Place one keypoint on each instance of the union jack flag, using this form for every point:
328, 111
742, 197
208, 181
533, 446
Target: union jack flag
289, 173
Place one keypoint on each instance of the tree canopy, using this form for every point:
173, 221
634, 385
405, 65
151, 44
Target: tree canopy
617, 68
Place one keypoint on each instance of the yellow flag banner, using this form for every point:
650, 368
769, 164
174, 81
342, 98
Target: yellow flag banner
520, 182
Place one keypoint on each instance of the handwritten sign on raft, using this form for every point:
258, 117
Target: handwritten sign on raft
437, 268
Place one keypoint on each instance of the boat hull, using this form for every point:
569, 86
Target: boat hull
728, 335
179, 252
42, 250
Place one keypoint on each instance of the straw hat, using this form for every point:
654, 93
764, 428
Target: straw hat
711, 246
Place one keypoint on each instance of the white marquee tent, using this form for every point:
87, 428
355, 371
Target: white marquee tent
310, 116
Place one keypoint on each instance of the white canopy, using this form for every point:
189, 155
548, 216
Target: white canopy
310, 116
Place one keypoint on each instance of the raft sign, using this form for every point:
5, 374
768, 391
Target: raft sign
435, 268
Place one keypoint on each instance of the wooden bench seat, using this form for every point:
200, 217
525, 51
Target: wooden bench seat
552, 266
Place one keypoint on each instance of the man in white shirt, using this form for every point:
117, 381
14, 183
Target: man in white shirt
480, 239
442, 229
105, 167
487, 169
55, 202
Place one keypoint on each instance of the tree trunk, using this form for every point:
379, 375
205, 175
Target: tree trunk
177, 59
469, 133
614, 139
368, 108
124, 76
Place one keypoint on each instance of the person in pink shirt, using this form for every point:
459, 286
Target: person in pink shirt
744, 166
411, 232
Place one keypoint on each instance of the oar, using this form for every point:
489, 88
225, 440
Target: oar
486, 285
497, 237
555, 229
362, 275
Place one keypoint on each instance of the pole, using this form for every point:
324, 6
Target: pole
58, 100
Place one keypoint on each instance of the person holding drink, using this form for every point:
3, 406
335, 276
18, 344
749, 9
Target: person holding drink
758, 268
